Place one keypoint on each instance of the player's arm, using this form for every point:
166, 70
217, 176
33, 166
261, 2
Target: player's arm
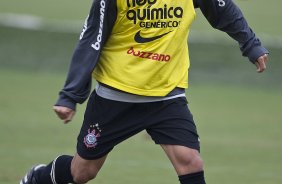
226, 16
95, 32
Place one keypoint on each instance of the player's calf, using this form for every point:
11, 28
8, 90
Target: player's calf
85, 170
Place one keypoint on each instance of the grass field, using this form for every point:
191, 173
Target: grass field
238, 112
240, 128
262, 16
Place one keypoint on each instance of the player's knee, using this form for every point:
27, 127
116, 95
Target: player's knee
83, 173
197, 163
190, 163
83, 177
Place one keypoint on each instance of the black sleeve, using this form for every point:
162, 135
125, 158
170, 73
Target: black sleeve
226, 16
96, 30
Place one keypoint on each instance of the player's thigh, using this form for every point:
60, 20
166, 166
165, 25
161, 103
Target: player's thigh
174, 125
176, 132
184, 159
82, 168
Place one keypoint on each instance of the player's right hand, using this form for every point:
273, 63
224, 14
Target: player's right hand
261, 63
64, 113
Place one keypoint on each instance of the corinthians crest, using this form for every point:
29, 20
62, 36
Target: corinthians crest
90, 140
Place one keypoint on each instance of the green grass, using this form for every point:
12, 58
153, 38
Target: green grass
240, 132
51, 52
237, 111
36, 50
52, 9
263, 17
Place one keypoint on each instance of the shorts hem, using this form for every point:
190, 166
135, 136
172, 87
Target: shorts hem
93, 157
195, 146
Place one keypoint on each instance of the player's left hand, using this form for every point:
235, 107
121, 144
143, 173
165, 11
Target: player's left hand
64, 113
261, 63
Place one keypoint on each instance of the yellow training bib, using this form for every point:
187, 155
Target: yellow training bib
147, 51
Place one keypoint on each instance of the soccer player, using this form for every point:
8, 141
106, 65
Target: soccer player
137, 52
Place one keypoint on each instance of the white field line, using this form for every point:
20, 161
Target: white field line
30, 22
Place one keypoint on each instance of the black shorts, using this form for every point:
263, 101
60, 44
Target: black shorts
107, 123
